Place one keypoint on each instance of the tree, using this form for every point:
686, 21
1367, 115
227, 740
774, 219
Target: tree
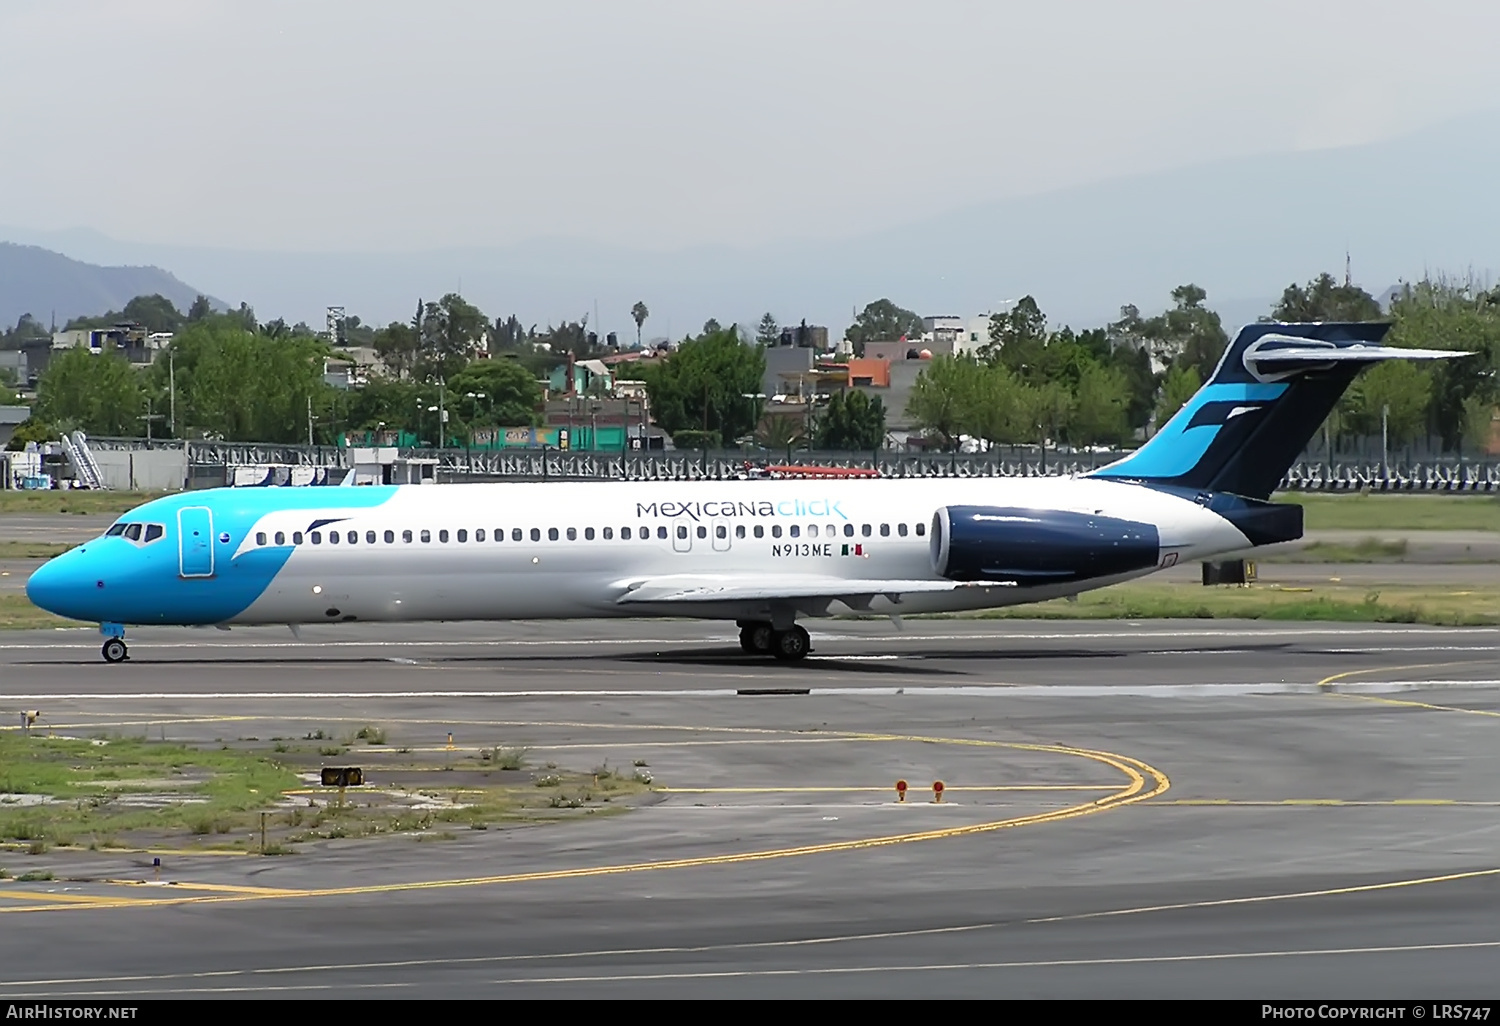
1000, 408
945, 395
511, 394
639, 313
710, 326
241, 386
200, 309
1397, 386
782, 431
1324, 299
397, 346
1443, 314
1180, 385
452, 330
507, 334
882, 319
27, 327
769, 332
99, 393
708, 384
32, 430
155, 313
1100, 403
852, 420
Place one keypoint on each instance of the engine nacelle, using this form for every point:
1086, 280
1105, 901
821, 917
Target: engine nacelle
1036, 546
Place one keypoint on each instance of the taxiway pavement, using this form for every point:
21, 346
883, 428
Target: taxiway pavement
1212, 809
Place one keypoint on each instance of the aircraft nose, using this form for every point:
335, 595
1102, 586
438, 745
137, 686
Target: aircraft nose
58, 586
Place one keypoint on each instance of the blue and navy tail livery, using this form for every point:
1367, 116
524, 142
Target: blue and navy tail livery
761, 552
1272, 390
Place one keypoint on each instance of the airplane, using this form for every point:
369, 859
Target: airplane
762, 553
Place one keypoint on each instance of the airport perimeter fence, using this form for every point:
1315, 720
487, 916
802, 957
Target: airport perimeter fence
209, 463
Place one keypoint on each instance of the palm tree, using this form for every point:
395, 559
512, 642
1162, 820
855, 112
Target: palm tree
640, 313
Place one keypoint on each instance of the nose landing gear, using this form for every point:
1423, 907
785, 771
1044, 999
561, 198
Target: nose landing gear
114, 649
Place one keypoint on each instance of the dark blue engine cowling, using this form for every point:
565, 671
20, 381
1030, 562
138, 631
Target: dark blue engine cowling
1038, 546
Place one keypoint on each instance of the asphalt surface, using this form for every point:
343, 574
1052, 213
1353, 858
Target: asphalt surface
1177, 809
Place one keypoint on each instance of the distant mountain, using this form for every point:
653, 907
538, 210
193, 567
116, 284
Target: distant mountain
51, 286
1243, 229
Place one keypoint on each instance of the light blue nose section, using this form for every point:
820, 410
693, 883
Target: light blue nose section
63, 586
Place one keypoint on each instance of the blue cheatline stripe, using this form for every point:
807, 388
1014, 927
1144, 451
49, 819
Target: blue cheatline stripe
142, 585
1176, 448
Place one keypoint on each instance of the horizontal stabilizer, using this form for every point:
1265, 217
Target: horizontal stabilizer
1286, 353
770, 587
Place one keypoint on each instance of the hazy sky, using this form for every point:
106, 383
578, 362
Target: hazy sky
393, 124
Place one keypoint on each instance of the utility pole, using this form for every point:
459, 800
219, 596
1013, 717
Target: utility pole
172, 387
1385, 465
309, 421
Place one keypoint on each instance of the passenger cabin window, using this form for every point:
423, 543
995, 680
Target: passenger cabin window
406, 536
864, 529
442, 536
921, 530
536, 534
316, 537
463, 536
739, 530
370, 537
775, 530
901, 530
609, 533
572, 534
552, 534
296, 537
479, 534
885, 530
702, 532
760, 531
625, 533
353, 537
848, 530
661, 532
333, 537
260, 537
794, 531
588, 534
390, 537
681, 531
426, 536
720, 531
515, 534
280, 538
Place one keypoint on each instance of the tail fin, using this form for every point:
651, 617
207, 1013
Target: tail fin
1272, 390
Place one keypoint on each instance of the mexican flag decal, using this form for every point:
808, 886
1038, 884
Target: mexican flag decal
855, 550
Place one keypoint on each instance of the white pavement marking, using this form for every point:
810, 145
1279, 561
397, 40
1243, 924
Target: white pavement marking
1034, 964
1123, 632
959, 691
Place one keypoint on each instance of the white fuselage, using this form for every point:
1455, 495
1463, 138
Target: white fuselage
566, 550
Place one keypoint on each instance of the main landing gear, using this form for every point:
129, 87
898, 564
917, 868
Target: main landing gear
114, 650
759, 638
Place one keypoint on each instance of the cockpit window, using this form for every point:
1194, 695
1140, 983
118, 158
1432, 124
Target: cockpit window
154, 531
133, 532
115, 531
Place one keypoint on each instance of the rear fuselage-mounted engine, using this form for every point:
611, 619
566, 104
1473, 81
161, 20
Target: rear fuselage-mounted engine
1029, 547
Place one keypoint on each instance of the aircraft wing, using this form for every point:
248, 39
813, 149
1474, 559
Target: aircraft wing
769, 587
